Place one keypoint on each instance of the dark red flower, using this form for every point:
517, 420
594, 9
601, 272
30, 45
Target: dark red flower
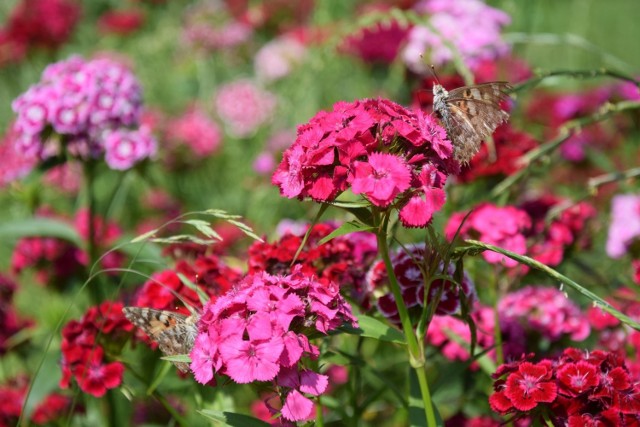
532, 384
576, 378
122, 22
51, 408
96, 377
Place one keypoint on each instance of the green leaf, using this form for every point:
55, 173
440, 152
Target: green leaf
232, 419
346, 228
42, 227
530, 262
182, 358
203, 227
373, 328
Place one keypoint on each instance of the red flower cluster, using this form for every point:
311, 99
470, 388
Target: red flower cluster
121, 22
391, 155
343, 260
42, 23
83, 354
11, 323
612, 334
510, 145
12, 395
577, 389
406, 267
549, 240
57, 260
165, 290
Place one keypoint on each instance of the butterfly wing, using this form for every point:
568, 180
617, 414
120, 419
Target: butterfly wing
175, 333
474, 113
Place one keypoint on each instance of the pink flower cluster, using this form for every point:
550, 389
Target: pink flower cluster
525, 229
13, 164
37, 23
624, 229
471, 26
194, 130
577, 389
244, 107
500, 226
406, 266
446, 332
387, 153
89, 106
258, 332
83, 355
546, 311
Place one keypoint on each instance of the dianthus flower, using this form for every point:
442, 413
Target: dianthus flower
195, 131
446, 333
89, 107
624, 228
56, 260
121, 22
387, 153
546, 311
510, 145
500, 226
576, 388
50, 409
406, 266
612, 334
244, 107
548, 240
470, 25
379, 42
13, 163
83, 356
343, 260
277, 58
258, 332
37, 23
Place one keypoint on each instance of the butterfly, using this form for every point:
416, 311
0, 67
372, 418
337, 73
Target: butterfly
470, 114
175, 333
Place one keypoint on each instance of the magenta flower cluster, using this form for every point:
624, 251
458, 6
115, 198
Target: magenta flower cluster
387, 153
500, 226
86, 108
547, 311
471, 26
258, 332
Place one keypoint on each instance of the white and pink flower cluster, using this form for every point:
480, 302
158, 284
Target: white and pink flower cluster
85, 108
469, 26
258, 332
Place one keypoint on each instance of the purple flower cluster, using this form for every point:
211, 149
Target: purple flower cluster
85, 108
547, 311
472, 27
258, 332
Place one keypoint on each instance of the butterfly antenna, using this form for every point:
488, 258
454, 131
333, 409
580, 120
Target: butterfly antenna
435, 76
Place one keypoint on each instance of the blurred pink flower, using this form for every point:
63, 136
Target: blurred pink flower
471, 26
624, 228
244, 107
277, 58
124, 148
195, 130
210, 25
14, 164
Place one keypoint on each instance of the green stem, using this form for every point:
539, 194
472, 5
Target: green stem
92, 250
416, 351
497, 333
